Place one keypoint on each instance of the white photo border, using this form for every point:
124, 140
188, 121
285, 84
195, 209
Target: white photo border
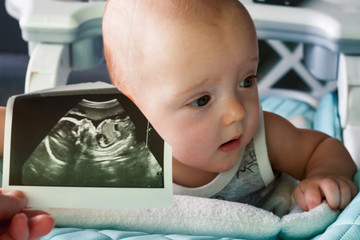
43, 197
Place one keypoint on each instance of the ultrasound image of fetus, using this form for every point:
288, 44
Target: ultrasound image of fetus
93, 145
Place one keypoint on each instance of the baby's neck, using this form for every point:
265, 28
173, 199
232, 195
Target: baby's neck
190, 177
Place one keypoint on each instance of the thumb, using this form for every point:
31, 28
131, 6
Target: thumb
11, 203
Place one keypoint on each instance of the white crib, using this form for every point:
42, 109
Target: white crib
318, 40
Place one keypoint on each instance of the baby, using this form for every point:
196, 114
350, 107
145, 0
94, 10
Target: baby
190, 66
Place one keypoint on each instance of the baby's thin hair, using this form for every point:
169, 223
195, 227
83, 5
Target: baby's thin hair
124, 31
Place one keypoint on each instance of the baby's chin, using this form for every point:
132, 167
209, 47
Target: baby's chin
230, 160
225, 165
228, 167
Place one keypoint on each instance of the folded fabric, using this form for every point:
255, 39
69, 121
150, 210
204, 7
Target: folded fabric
204, 217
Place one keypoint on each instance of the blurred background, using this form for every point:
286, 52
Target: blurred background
14, 59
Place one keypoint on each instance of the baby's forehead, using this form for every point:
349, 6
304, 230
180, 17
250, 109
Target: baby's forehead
131, 27
176, 10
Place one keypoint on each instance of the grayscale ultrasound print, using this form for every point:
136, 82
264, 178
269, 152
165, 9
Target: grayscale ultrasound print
93, 145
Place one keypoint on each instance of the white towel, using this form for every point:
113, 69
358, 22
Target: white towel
202, 216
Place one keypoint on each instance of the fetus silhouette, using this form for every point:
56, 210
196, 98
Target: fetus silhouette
93, 145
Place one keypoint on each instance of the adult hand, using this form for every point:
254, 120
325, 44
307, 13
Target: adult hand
19, 224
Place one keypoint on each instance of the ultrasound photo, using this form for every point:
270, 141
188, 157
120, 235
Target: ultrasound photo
94, 144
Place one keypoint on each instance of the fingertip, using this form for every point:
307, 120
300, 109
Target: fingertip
332, 193
333, 202
347, 193
17, 198
20, 219
48, 224
313, 198
300, 198
313, 203
354, 190
19, 227
16, 194
12, 203
41, 225
304, 206
50, 221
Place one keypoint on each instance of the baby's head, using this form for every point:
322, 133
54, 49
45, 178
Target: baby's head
190, 66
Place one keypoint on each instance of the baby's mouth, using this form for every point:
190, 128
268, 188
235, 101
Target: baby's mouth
230, 145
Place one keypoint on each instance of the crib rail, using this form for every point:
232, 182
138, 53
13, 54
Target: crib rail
313, 48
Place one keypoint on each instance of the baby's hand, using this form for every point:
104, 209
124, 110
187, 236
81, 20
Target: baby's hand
337, 190
16, 224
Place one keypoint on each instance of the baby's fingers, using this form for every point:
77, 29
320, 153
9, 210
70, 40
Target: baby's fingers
353, 187
348, 191
332, 193
307, 196
338, 192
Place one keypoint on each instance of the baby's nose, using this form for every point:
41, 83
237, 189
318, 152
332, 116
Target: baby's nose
233, 111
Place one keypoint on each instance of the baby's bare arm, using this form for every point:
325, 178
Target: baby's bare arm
2, 128
321, 162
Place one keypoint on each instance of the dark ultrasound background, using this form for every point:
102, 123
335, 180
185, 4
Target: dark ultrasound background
34, 117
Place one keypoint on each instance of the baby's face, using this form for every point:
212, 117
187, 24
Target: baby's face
200, 93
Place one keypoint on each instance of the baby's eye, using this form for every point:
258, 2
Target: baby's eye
200, 102
248, 82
